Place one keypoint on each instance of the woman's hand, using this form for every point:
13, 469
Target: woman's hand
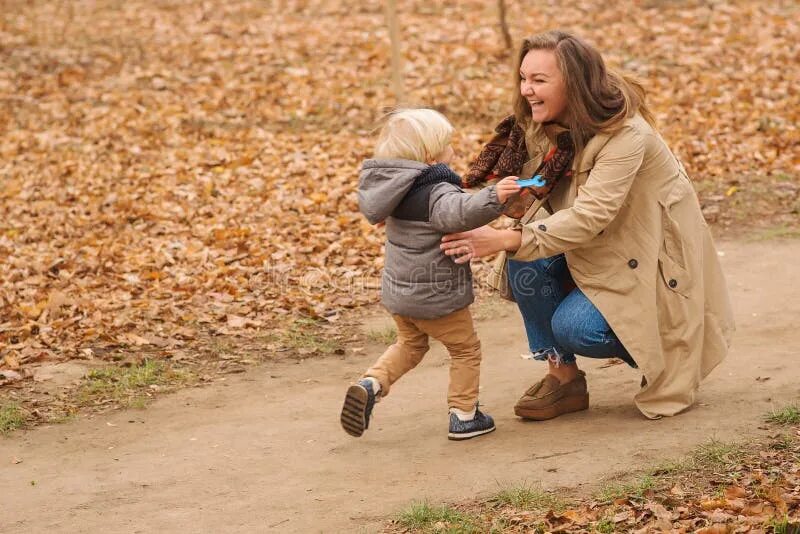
507, 187
479, 242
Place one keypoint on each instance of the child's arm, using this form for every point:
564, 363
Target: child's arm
453, 210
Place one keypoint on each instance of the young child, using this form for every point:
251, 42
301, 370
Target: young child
409, 185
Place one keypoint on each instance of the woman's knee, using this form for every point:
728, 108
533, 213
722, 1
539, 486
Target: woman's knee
566, 334
575, 333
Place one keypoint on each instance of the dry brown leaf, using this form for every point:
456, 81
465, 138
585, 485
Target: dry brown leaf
11, 362
712, 504
715, 529
735, 492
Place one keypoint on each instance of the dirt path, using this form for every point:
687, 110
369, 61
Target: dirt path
264, 452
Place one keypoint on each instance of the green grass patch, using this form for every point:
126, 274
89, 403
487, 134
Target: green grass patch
529, 498
605, 526
783, 443
221, 346
710, 455
12, 417
671, 467
304, 334
385, 336
788, 415
64, 418
782, 526
714, 453
626, 490
425, 517
129, 386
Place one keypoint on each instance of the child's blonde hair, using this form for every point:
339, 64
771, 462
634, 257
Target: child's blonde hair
418, 134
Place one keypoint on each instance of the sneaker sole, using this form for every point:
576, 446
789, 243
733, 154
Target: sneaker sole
470, 435
568, 405
354, 411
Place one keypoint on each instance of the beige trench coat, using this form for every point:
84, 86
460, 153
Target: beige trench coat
637, 245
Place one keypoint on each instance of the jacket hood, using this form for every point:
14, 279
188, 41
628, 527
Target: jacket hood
382, 185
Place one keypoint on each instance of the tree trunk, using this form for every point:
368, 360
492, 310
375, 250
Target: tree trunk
397, 62
501, 8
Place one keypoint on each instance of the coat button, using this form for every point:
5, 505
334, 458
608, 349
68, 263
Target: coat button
543, 228
633, 264
673, 283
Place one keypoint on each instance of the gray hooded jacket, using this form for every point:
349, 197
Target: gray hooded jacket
420, 203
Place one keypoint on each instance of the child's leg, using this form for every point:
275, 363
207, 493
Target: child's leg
457, 334
400, 358
411, 346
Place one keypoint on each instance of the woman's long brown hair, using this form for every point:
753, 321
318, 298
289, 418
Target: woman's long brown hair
598, 99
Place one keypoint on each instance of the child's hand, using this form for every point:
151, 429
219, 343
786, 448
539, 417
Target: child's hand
507, 187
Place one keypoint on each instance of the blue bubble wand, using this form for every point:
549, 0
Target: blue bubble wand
535, 181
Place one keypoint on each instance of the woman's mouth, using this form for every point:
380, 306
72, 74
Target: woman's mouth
535, 102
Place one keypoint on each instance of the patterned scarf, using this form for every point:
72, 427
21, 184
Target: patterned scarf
505, 155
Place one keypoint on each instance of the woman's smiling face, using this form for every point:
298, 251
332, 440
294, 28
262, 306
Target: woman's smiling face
542, 85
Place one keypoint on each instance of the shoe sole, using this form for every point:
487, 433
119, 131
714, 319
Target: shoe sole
354, 411
568, 405
461, 437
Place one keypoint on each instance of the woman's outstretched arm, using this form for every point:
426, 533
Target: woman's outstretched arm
480, 242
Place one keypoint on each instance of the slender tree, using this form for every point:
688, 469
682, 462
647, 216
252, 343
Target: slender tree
501, 8
397, 61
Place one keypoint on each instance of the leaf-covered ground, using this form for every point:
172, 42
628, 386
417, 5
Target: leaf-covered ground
174, 173
721, 488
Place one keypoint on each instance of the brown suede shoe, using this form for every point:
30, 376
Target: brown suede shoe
548, 398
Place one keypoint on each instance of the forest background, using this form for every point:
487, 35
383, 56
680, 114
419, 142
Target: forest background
178, 178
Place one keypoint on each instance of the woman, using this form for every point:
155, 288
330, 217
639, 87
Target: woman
625, 227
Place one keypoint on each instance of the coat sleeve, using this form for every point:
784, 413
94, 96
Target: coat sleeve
453, 210
597, 203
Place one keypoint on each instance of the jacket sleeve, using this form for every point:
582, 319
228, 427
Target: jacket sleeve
597, 203
453, 210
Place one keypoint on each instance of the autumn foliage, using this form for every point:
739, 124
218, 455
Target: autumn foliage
173, 170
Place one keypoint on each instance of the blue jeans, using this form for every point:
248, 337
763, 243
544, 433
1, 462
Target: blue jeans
559, 320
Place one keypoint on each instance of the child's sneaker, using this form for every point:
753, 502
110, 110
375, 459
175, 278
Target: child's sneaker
477, 426
357, 407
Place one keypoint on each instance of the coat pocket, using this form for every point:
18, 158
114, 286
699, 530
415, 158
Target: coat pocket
672, 257
675, 277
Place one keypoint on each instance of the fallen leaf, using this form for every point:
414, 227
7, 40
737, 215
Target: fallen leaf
11, 362
735, 492
712, 504
623, 516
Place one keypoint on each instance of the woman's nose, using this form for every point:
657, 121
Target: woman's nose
527, 89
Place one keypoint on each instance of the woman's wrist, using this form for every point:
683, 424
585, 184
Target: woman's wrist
511, 240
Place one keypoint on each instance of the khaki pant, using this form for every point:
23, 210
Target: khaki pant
457, 333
